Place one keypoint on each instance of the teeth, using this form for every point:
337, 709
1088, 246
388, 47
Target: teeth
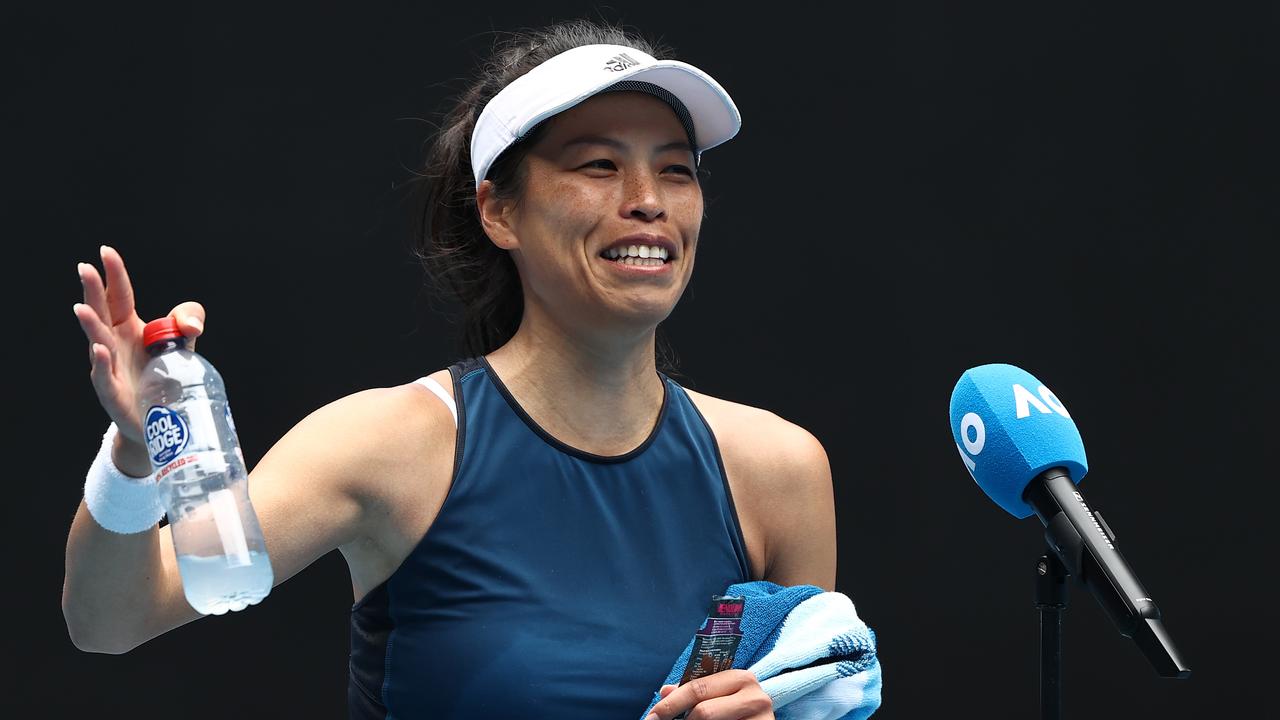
647, 255
643, 262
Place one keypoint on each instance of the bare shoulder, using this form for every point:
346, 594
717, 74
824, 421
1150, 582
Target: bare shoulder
377, 429
343, 475
781, 481
760, 437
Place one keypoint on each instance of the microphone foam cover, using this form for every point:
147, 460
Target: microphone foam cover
1009, 428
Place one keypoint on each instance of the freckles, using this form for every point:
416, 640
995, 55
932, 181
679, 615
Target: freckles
688, 202
560, 212
691, 209
570, 205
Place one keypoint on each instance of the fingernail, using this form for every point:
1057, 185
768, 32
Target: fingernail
651, 716
195, 323
75, 309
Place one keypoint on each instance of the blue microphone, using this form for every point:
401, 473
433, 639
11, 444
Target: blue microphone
1009, 428
1023, 449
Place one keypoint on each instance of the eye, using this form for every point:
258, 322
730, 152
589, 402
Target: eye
682, 169
600, 164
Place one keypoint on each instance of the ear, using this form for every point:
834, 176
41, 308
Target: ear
495, 216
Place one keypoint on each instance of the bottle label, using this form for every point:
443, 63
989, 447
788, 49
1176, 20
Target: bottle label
197, 465
167, 434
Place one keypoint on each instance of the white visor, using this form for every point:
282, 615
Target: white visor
575, 75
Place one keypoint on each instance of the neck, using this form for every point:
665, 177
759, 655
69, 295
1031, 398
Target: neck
599, 394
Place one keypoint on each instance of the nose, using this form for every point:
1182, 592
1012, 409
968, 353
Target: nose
643, 198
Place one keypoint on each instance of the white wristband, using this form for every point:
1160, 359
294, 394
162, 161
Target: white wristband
120, 503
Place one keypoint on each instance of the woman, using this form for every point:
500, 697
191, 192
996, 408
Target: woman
536, 530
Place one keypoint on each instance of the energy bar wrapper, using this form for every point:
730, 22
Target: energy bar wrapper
716, 643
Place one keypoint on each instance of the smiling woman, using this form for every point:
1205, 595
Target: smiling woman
625, 189
539, 532
503, 127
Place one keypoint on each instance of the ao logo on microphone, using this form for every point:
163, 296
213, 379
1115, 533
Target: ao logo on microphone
973, 433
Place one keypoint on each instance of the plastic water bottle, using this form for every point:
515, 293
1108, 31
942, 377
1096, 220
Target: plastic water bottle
201, 475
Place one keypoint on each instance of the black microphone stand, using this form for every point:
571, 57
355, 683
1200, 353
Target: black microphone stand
1079, 540
1051, 600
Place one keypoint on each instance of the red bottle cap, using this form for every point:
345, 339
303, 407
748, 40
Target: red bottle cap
162, 329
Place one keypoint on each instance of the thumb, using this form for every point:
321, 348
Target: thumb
190, 316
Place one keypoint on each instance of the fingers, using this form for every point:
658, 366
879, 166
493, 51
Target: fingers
112, 298
99, 357
719, 708
100, 369
101, 347
741, 706
729, 694
95, 295
94, 329
107, 306
101, 377
119, 289
665, 690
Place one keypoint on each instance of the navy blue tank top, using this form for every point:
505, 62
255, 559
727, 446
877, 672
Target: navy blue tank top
553, 583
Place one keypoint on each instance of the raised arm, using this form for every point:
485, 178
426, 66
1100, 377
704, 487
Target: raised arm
315, 490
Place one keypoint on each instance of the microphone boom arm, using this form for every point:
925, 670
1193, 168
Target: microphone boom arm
1087, 548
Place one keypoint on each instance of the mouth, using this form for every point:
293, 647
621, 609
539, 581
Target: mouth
637, 256
640, 251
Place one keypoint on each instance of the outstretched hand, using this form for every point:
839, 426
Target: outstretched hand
726, 695
114, 330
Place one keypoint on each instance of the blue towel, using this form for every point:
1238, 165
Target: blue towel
808, 648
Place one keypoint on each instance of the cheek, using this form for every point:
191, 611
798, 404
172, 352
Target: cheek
554, 222
691, 221
565, 213
688, 207
692, 201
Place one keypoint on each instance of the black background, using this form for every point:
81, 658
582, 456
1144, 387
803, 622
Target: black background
1086, 191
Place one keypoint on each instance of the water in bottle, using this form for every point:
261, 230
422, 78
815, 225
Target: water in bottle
201, 475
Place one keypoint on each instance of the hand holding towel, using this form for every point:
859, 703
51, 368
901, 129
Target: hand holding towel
808, 648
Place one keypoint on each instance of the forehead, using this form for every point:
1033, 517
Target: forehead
624, 113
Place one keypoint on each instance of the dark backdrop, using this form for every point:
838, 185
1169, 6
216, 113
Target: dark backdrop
1085, 191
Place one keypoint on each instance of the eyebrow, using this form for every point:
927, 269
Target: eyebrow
619, 145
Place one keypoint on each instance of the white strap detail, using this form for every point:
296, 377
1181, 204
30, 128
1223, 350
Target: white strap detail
430, 384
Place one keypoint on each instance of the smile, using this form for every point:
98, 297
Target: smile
636, 255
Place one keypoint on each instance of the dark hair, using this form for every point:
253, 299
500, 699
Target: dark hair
448, 239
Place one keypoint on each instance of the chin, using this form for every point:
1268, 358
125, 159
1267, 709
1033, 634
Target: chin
642, 314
